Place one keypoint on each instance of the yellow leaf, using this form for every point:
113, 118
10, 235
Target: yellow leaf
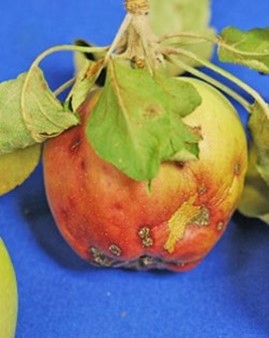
15, 167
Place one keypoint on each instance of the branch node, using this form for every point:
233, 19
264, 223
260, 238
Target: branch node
140, 7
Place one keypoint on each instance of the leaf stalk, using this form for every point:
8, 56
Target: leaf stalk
248, 89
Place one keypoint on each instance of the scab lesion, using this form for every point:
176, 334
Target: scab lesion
100, 258
115, 250
220, 226
202, 189
145, 236
203, 218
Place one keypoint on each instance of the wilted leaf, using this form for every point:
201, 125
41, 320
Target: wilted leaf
250, 48
29, 112
137, 123
255, 198
81, 58
85, 80
15, 167
259, 128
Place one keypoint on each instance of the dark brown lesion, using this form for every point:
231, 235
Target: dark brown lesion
75, 143
237, 168
179, 164
145, 262
152, 111
82, 165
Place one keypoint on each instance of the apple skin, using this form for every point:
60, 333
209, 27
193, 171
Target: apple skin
113, 221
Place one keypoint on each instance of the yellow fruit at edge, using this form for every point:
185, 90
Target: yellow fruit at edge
8, 295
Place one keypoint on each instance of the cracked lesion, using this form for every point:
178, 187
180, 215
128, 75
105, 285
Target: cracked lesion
145, 262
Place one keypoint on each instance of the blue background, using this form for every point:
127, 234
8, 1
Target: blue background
227, 295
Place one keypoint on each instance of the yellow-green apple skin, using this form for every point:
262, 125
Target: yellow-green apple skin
8, 295
111, 220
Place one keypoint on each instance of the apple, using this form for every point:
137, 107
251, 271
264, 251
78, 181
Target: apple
8, 295
111, 220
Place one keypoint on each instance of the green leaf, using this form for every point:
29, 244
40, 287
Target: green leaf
249, 48
17, 166
176, 16
255, 196
29, 112
184, 103
136, 124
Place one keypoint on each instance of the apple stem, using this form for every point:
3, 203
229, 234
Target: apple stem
64, 86
116, 44
212, 39
62, 48
54, 49
135, 39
